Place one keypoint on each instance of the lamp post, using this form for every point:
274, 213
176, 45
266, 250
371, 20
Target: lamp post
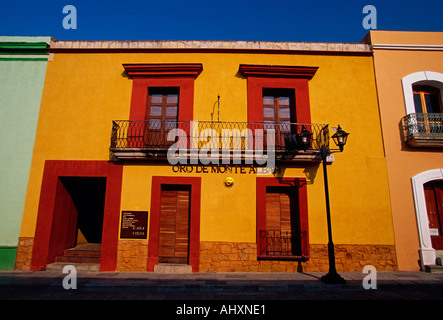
340, 139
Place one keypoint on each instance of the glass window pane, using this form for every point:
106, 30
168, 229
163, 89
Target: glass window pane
285, 126
156, 111
268, 100
417, 102
285, 113
156, 98
155, 124
170, 124
268, 112
172, 99
283, 101
269, 124
171, 111
432, 103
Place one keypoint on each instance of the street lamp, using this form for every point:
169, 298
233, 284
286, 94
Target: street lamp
304, 138
340, 138
303, 141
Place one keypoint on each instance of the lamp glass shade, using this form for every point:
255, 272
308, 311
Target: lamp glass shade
304, 138
340, 138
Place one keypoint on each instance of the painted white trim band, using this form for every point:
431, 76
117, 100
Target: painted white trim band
421, 47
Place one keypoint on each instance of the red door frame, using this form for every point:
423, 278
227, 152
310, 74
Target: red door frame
434, 202
47, 240
300, 184
194, 225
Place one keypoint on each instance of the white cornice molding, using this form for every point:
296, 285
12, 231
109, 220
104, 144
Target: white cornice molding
361, 48
416, 47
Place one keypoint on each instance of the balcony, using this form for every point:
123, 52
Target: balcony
283, 245
423, 130
235, 141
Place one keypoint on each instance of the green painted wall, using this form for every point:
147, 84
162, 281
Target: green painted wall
23, 62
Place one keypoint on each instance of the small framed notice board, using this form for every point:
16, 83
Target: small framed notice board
134, 225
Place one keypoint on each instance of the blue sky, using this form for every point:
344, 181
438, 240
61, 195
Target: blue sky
256, 20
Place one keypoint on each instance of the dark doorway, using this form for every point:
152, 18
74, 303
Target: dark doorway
56, 226
88, 196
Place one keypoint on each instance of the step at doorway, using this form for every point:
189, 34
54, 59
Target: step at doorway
84, 257
172, 268
83, 253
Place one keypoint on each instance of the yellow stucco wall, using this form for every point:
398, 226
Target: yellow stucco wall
84, 92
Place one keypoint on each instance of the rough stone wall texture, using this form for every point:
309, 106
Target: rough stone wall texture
24, 253
132, 255
243, 45
242, 257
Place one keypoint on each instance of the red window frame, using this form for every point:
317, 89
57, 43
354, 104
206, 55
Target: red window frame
278, 77
147, 76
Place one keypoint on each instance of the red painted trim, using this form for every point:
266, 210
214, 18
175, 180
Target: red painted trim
255, 97
300, 184
49, 219
164, 70
65, 218
154, 226
278, 77
140, 96
278, 71
147, 76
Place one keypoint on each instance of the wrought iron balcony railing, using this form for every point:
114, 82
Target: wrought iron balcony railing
423, 129
276, 244
138, 139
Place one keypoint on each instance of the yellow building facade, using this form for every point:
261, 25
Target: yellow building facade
101, 174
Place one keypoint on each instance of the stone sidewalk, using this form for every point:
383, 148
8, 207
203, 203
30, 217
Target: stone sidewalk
48, 285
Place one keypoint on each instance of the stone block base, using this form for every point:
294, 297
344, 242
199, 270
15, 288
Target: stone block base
132, 255
242, 257
24, 253
172, 268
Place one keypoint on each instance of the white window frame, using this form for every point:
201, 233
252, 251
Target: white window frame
427, 252
429, 78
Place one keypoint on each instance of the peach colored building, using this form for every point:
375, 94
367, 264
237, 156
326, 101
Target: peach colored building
409, 77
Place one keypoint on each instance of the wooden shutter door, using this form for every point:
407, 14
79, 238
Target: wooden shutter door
282, 225
434, 207
174, 224
278, 211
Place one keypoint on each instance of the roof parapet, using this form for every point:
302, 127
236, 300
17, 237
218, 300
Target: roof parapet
326, 47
